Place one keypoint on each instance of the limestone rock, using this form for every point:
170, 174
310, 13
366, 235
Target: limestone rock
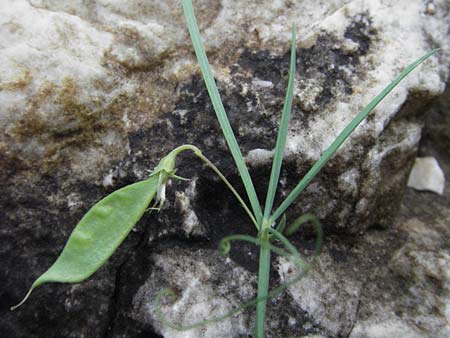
94, 93
393, 283
329, 298
202, 293
416, 303
399, 277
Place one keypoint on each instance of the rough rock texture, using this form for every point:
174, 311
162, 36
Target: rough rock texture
94, 93
207, 294
389, 282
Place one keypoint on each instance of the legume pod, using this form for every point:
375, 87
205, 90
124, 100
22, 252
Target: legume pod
99, 233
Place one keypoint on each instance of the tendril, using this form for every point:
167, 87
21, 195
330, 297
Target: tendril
317, 226
289, 252
169, 293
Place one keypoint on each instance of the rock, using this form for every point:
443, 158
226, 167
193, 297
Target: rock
416, 303
390, 283
94, 93
427, 175
388, 328
202, 293
258, 157
325, 295
399, 276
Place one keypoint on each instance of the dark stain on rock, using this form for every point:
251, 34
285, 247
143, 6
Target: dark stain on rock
217, 208
324, 61
362, 32
264, 65
194, 122
285, 317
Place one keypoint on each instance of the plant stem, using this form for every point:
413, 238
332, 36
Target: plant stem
263, 280
197, 152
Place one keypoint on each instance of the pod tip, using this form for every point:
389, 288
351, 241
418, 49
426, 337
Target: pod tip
12, 308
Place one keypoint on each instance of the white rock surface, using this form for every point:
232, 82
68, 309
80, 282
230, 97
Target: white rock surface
191, 223
325, 294
426, 174
391, 57
388, 328
373, 291
202, 294
258, 156
124, 61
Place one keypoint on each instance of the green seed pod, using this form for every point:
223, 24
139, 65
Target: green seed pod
99, 233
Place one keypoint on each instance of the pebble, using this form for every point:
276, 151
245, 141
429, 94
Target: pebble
427, 175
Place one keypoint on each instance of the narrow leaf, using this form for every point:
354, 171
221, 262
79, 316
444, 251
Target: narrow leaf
343, 136
219, 109
281, 224
282, 132
99, 233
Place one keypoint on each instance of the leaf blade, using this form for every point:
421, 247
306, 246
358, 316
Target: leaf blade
345, 133
219, 109
282, 132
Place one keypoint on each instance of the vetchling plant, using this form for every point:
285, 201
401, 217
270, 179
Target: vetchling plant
109, 221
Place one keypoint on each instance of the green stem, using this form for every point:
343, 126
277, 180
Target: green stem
197, 152
263, 280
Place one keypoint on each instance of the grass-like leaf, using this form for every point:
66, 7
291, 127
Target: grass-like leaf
219, 109
282, 224
264, 255
343, 136
282, 132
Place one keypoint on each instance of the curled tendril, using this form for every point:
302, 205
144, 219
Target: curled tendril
225, 243
289, 251
317, 226
224, 247
169, 293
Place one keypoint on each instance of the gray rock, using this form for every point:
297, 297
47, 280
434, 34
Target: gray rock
388, 328
390, 283
94, 93
413, 299
206, 286
328, 297
399, 276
